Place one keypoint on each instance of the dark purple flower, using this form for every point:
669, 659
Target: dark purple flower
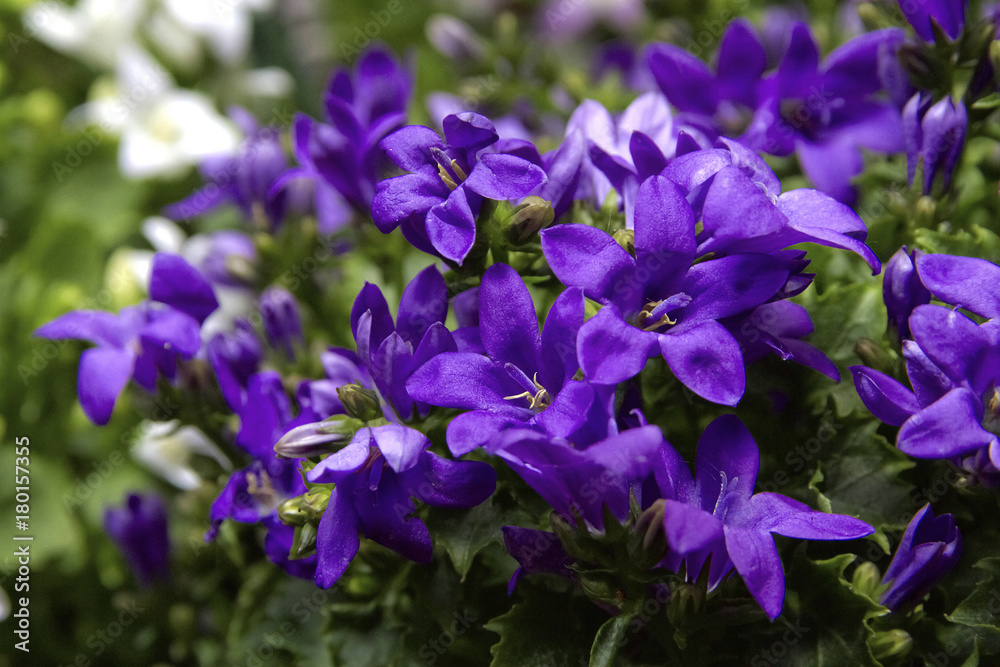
138, 343
225, 258
935, 136
929, 549
282, 323
524, 377
715, 519
376, 477
139, 530
902, 291
825, 112
438, 202
657, 301
536, 552
278, 545
244, 179
342, 156
953, 365
391, 352
949, 15
235, 356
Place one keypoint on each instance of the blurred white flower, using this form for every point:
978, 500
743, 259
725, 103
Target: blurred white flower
167, 451
93, 30
224, 24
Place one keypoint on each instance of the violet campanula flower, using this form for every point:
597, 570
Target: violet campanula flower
139, 530
824, 112
235, 356
739, 201
657, 300
342, 156
140, 342
392, 352
438, 202
935, 136
282, 323
715, 518
536, 552
902, 291
949, 15
376, 476
953, 365
523, 378
243, 179
928, 550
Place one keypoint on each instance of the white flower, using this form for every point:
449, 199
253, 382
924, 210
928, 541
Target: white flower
224, 24
167, 451
93, 30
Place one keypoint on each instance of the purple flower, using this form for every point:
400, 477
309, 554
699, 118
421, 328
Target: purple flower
657, 301
953, 365
824, 112
235, 356
716, 519
376, 477
392, 352
243, 179
949, 15
522, 378
342, 156
929, 549
935, 135
536, 552
282, 323
139, 530
902, 291
438, 202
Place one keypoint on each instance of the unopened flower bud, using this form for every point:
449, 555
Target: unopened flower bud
626, 239
685, 602
873, 356
867, 580
282, 323
890, 644
317, 438
314, 503
359, 402
304, 541
528, 218
292, 513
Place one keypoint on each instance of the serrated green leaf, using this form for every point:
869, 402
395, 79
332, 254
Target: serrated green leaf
543, 631
981, 608
608, 640
464, 533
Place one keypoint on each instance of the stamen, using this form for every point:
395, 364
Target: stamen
540, 400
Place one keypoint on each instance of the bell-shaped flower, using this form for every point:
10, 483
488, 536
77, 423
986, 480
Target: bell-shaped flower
928, 550
715, 519
139, 530
949, 15
437, 203
376, 478
935, 136
902, 291
524, 377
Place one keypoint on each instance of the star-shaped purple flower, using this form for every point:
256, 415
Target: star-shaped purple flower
716, 515
928, 550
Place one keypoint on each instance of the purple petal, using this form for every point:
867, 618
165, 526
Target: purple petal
947, 428
585, 257
499, 176
938, 329
401, 446
664, 231
756, 559
684, 79
97, 326
884, 396
471, 430
736, 208
172, 329
969, 282
176, 283
103, 374
391, 366
673, 476
466, 381
370, 299
470, 131
558, 349
344, 462
444, 483
779, 514
337, 539
727, 461
741, 62
399, 198
828, 222
708, 360
831, 165
451, 226
610, 350
424, 302
410, 147
928, 381
507, 320
730, 285
385, 517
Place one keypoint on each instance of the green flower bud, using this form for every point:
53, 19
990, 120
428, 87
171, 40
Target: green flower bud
890, 644
314, 503
626, 239
359, 402
292, 513
528, 218
873, 356
317, 438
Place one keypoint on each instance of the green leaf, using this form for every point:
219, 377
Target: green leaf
980, 609
608, 640
976, 242
544, 631
828, 619
465, 532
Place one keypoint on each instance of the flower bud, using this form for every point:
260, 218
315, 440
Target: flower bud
929, 549
282, 323
317, 438
902, 292
359, 402
626, 239
528, 218
944, 127
292, 513
890, 644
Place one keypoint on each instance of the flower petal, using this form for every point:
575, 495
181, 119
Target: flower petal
451, 226
947, 428
499, 176
337, 539
708, 360
611, 351
756, 559
103, 374
969, 282
884, 396
507, 320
